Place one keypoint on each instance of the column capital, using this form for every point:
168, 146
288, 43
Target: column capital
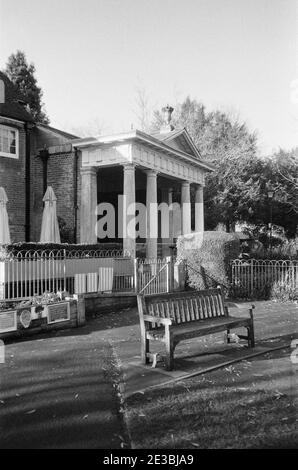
185, 184
88, 170
128, 166
151, 173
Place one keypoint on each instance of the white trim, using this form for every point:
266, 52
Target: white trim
142, 136
15, 156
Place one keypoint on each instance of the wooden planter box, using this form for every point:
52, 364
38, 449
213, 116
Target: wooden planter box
25, 321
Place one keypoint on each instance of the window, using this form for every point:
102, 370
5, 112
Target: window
9, 142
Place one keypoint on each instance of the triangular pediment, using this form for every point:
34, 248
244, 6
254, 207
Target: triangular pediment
179, 140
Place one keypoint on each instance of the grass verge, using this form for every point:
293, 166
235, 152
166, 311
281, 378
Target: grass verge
249, 405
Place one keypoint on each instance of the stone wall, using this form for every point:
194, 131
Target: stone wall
99, 304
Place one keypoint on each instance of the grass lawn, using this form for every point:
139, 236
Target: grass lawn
248, 405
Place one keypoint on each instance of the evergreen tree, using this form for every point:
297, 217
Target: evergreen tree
22, 75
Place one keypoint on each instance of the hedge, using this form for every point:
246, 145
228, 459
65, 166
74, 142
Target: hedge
207, 256
15, 248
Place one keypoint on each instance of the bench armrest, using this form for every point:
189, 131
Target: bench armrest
152, 319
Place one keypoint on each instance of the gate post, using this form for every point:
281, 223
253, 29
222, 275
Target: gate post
136, 274
169, 273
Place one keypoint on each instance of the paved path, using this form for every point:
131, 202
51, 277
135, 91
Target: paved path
61, 390
58, 392
275, 326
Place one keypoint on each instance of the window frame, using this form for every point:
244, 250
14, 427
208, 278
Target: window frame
15, 156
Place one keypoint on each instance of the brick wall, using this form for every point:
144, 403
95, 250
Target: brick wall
60, 175
12, 179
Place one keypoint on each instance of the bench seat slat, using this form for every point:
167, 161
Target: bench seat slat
186, 311
191, 307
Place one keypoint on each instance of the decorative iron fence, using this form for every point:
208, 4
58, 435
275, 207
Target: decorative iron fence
25, 274
256, 278
34, 272
155, 276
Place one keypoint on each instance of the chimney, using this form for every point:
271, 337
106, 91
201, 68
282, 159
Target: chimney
167, 116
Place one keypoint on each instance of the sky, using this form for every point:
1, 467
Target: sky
92, 56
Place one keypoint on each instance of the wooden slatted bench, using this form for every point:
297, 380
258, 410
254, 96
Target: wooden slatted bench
171, 318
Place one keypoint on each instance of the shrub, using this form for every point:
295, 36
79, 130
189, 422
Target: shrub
208, 256
284, 251
284, 291
10, 250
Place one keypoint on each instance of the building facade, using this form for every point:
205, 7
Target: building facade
117, 170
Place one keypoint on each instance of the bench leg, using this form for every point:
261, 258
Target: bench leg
228, 337
169, 349
145, 350
251, 336
169, 355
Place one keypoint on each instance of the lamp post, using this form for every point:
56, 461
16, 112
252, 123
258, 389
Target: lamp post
270, 196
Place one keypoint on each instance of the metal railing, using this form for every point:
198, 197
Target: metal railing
25, 274
255, 278
33, 272
155, 276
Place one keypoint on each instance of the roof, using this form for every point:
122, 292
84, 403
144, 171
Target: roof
178, 138
57, 131
12, 107
148, 139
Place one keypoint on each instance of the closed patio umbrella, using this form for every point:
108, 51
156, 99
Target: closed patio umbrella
4, 226
49, 226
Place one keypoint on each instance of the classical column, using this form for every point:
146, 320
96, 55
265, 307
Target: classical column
199, 209
152, 215
186, 207
167, 221
171, 216
88, 217
129, 199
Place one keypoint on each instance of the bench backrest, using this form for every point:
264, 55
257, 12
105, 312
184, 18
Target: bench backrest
185, 307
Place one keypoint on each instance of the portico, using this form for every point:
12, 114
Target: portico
148, 169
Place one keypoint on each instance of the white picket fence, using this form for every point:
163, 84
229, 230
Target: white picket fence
254, 278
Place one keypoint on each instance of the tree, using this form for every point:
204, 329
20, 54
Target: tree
231, 148
22, 75
142, 107
93, 128
237, 191
286, 164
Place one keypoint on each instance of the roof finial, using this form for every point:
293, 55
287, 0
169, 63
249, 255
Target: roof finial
167, 116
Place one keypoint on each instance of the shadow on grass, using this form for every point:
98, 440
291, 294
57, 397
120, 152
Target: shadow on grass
214, 411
